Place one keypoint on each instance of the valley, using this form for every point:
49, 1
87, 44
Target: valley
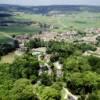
49, 52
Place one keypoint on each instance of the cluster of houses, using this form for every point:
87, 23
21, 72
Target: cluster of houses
46, 36
22, 39
66, 35
69, 35
91, 35
90, 39
93, 30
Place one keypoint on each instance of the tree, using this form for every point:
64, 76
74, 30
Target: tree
98, 38
95, 63
50, 94
81, 33
26, 66
85, 47
58, 85
8, 47
22, 90
95, 95
35, 43
83, 83
6, 82
98, 41
16, 44
76, 64
61, 49
46, 79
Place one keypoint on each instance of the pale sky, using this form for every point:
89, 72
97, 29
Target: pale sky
51, 2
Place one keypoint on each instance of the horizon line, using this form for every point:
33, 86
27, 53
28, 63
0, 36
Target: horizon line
50, 5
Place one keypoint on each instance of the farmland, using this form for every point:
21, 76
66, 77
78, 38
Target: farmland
21, 22
78, 20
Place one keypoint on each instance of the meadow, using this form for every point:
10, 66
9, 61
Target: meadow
78, 20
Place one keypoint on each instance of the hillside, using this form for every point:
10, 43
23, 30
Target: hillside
47, 9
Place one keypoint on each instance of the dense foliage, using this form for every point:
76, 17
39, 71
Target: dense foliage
81, 75
25, 67
35, 43
9, 46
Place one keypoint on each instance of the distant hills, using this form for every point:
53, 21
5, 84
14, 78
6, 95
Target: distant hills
47, 9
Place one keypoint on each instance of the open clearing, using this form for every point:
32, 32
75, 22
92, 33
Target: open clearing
8, 58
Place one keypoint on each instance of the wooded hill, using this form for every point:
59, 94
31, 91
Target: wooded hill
47, 9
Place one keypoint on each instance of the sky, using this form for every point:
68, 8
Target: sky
51, 2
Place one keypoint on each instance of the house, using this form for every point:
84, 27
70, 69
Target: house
38, 51
46, 36
22, 38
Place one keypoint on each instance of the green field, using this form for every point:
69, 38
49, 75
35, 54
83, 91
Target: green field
78, 21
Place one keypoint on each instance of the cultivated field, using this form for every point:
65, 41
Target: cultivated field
57, 22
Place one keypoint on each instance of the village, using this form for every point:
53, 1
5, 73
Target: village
44, 58
69, 36
49, 50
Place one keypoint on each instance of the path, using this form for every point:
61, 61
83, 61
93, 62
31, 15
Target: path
69, 95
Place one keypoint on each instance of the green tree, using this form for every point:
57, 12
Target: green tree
46, 79
50, 94
22, 90
61, 49
85, 47
95, 95
76, 64
98, 38
26, 66
83, 83
6, 82
35, 43
95, 63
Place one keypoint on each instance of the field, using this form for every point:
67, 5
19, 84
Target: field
58, 22
78, 20
64, 22
8, 58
